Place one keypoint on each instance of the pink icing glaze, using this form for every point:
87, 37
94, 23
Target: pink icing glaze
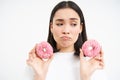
91, 48
44, 50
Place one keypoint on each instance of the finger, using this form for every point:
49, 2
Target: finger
100, 64
97, 57
101, 53
51, 58
33, 51
34, 55
30, 56
29, 62
81, 54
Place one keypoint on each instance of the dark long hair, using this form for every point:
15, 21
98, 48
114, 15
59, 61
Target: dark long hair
82, 36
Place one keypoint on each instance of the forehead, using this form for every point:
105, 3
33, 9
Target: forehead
66, 13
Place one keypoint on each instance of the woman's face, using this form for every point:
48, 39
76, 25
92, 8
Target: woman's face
66, 28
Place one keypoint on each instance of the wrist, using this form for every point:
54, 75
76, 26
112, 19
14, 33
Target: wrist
39, 77
85, 77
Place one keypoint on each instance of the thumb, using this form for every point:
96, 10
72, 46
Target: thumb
50, 59
81, 54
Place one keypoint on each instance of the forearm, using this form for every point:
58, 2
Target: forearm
85, 78
37, 77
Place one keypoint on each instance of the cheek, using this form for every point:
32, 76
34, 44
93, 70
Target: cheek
76, 31
75, 34
56, 33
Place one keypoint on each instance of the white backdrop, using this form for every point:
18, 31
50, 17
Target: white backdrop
23, 23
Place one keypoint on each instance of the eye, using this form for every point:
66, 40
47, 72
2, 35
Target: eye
59, 24
73, 24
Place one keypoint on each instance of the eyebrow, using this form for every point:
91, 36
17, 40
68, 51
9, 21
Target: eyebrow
63, 19
73, 18
59, 20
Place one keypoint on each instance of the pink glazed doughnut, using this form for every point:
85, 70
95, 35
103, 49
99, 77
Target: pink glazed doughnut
91, 48
44, 50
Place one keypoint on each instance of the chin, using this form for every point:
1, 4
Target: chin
66, 44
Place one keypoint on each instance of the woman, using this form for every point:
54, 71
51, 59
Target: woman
67, 33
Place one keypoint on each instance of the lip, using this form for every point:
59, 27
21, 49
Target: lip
65, 38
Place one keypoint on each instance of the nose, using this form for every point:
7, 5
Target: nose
65, 30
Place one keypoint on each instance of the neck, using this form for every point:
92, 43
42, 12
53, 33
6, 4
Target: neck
66, 49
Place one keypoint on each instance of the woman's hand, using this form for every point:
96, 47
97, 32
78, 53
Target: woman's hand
39, 66
87, 67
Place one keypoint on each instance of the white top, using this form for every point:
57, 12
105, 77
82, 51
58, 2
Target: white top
66, 66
